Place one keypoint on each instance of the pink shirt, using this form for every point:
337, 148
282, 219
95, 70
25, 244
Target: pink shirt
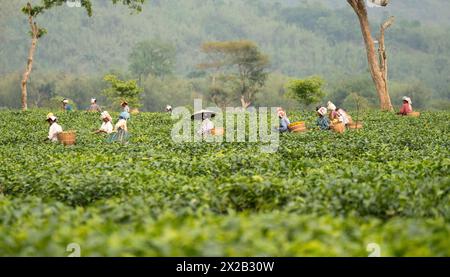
406, 109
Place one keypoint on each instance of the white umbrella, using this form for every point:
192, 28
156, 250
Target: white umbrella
200, 115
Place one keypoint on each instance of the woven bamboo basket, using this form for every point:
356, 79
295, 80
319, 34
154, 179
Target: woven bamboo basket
414, 114
338, 127
67, 138
297, 127
135, 111
218, 131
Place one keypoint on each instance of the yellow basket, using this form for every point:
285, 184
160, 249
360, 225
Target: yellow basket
297, 127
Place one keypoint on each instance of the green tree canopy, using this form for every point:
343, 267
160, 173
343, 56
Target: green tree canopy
308, 91
241, 59
120, 90
152, 57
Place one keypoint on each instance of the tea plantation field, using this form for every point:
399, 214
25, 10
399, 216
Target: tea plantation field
321, 194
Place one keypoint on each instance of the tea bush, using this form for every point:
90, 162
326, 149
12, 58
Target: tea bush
319, 194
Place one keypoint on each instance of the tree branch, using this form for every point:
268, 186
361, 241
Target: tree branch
388, 23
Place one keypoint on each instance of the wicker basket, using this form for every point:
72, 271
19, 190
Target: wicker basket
297, 127
338, 127
67, 138
218, 131
350, 119
135, 111
414, 114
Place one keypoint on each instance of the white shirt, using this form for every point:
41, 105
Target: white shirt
207, 126
343, 117
107, 127
53, 132
122, 123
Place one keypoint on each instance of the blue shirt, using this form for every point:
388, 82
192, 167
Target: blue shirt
284, 124
323, 123
68, 108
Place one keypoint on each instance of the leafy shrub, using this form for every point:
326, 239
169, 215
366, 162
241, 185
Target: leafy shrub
320, 194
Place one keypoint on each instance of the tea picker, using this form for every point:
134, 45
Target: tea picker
207, 125
94, 107
322, 121
66, 106
284, 121
338, 114
107, 127
407, 108
125, 106
54, 129
120, 133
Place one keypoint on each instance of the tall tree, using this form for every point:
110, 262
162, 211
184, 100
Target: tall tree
152, 57
223, 91
377, 61
120, 90
36, 32
308, 91
242, 60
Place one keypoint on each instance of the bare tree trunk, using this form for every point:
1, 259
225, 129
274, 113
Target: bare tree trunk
26, 74
378, 72
383, 56
245, 104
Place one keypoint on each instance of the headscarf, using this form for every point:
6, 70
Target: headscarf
407, 99
105, 114
322, 111
65, 101
331, 106
93, 100
281, 112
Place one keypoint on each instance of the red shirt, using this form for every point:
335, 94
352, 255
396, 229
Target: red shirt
406, 109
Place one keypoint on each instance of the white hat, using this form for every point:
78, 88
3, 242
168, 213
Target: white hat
93, 100
168, 107
322, 111
105, 114
51, 117
331, 106
65, 101
407, 99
